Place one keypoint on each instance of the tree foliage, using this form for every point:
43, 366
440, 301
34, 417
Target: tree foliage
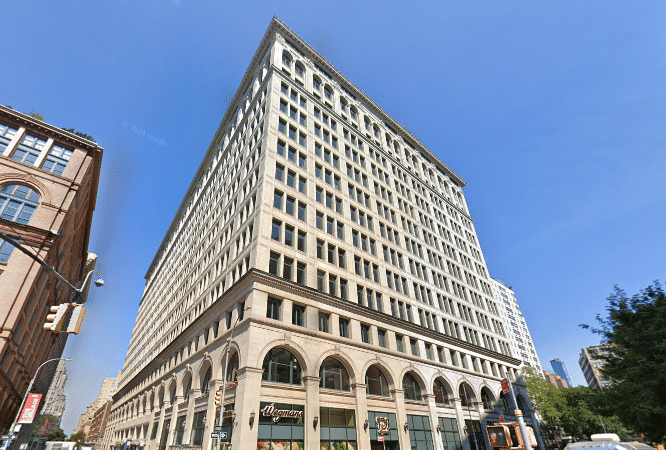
574, 411
636, 329
35, 115
80, 134
78, 436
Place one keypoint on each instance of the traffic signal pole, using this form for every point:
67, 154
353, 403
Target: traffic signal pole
519, 416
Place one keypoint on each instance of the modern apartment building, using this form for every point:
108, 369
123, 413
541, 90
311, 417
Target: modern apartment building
520, 339
48, 190
337, 256
591, 361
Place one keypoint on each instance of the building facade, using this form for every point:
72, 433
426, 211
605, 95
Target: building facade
337, 257
591, 361
98, 425
104, 395
520, 339
555, 379
55, 401
48, 190
560, 369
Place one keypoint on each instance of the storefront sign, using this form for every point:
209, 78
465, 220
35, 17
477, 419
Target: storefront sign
30, 408
44, 427
277, 414
382, 425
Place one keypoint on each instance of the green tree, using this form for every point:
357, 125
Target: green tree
35, 115
636, 329
574, 411
78, 436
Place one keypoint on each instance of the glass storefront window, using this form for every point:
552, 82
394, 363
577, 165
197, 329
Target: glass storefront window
337, 429
198, 427
450, 433
420, 432
281, 427
475, 435
383, 424
179, 430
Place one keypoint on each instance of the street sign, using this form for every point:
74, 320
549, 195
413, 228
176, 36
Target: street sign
506, 388
223, 435
380, 438
214, 436
217, 428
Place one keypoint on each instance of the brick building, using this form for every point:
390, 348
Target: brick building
48, 189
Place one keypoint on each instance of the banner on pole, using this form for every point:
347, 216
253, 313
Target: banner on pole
30, 408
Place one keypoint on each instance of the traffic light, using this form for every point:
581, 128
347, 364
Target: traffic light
75, 320
56, 320
218, 398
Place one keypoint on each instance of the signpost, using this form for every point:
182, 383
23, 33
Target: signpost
506, 389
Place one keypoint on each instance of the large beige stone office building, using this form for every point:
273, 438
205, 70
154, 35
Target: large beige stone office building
48, 190
340, 254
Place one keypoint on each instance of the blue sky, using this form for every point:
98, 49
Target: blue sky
553, 112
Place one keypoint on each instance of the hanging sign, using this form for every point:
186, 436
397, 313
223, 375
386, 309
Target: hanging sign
30, 408
382, 425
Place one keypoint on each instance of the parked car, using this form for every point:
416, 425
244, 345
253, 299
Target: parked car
606, 441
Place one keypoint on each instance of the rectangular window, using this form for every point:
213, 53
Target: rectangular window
280, 148
298, 315
300, 273
324, 325
274, 264
277, 200
276, 230
343, 289
289, 235
291, 179
301, 211
273, 308
321, 280
302, 161
289, 206
288, 269
319, 221
399, 343
279, 172
300, 241
365, 333
413, 343
332, 284
381, 338
344, 327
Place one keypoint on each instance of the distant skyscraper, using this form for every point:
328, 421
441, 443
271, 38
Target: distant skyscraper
519, 335
104, 395
55, 402
591, 361
560, 369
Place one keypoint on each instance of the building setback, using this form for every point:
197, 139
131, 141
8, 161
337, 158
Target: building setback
48, 190
337, 255
591, 361
519, 335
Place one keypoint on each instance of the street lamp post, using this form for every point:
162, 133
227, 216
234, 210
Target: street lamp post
467, 400
224, 380
32, 382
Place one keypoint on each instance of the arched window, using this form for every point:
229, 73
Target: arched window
281, 366
298, 68
328, 93
353, 113
411, 388
376, 382
466, 395
487, 399
504, 404
316, 83
18, 203
441, 392
232, 368
286, 59
188, 387
333, 375
206, 379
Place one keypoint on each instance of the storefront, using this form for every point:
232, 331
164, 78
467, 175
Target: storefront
383, 431
337, 429
281, 427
